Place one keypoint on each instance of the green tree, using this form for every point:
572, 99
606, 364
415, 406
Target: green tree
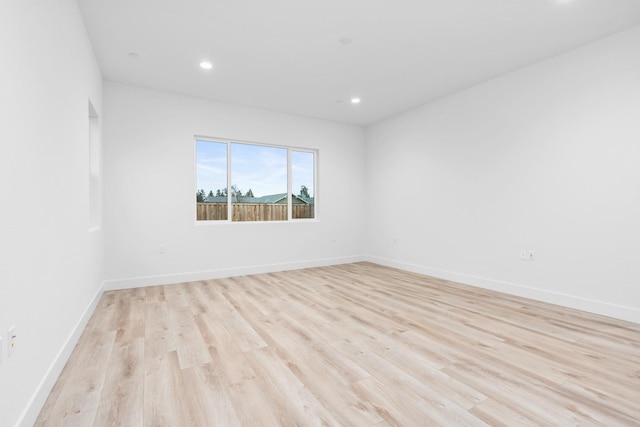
200, 196
304, 193
236, 194
221, 192
249, 193
210, 193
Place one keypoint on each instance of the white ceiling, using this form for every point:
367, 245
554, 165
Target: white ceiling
285, 55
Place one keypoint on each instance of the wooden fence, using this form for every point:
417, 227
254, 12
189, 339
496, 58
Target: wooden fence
302, 211
211, 211
251, 212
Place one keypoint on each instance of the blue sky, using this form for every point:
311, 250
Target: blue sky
259, 168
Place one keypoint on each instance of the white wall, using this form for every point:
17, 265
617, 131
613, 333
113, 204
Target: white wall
50, 265
545, 158
150, 187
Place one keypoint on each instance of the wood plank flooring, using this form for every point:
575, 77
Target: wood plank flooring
348, 345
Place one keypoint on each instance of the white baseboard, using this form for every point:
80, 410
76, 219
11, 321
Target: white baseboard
168, 279
629, 314
32, 410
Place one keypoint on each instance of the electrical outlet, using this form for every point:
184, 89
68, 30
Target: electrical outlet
11, 340
527, 255
531, 255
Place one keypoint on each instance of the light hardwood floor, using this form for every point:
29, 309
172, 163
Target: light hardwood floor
350, 345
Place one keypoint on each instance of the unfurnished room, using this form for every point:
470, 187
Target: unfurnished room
305, 213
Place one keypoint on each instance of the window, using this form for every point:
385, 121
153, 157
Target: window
211, 167
302, 180
241, 181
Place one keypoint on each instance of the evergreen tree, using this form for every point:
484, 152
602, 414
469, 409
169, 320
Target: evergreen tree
304, 193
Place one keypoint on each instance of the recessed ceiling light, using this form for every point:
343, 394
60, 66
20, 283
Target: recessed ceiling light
206, 65
355, 100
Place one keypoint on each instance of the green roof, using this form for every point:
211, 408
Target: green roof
270, 199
